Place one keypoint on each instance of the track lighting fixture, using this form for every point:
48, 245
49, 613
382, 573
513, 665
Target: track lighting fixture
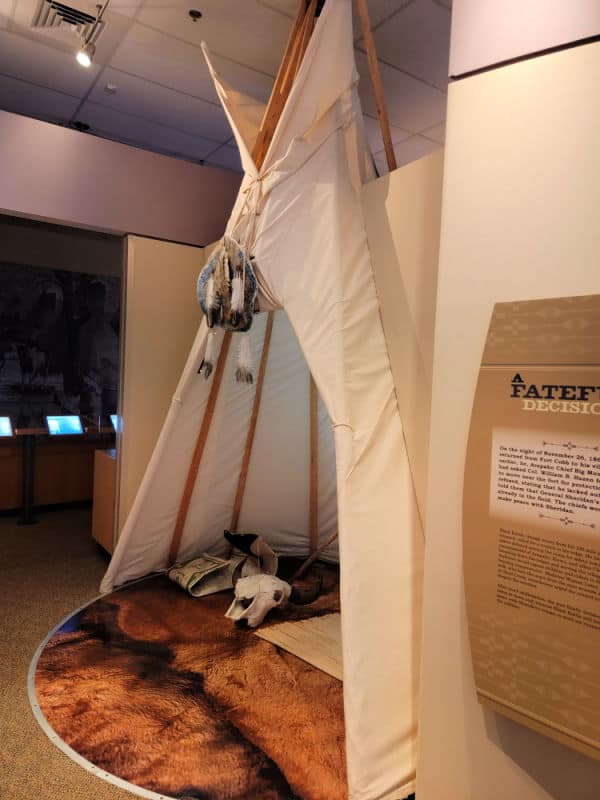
86, 52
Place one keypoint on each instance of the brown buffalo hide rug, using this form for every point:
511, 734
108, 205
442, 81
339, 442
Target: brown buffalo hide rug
162, 690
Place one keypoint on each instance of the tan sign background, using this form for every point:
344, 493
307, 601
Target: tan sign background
531, 518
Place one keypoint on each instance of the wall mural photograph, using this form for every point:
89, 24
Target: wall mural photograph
59, 344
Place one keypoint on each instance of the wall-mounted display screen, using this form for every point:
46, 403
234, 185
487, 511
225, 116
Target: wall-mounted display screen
115, 421
5, 426
64, 425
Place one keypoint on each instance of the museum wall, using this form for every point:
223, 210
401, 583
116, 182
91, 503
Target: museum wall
61, 175
486, 32
520, 220
402, 216
161, 320
36, 244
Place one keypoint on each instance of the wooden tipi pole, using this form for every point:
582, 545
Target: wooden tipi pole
186, 498
314, 468
300, 46
312, 558
363, 12
281, 88
275, 106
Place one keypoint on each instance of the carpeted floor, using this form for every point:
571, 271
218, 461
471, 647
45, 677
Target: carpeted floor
47, 570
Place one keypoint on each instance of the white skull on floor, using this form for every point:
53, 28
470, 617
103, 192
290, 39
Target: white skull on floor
255, 596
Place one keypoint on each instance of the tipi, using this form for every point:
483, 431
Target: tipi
313, 266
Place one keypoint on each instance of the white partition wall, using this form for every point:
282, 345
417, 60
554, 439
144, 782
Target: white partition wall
520, 220
161, 320
402, 215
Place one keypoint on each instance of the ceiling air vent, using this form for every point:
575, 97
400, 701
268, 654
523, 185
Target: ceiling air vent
54, 16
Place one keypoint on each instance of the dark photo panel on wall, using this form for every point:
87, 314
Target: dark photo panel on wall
59, 344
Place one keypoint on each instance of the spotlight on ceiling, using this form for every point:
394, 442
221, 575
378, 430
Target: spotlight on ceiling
85, 54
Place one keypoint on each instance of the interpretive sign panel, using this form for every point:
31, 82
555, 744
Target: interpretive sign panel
531, 518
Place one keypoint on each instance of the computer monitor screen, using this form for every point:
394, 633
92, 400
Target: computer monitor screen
64, 425
115, 421
6, 428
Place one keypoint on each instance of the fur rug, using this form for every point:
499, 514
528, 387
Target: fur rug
161, 690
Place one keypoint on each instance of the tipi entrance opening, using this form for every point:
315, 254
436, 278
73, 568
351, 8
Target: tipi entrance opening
266, 462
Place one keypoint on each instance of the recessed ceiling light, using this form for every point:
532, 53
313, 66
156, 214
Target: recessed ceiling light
110, 88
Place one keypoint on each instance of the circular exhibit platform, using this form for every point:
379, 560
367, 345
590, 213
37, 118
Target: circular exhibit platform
158, 693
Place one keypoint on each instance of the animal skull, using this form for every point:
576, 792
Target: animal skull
255, 596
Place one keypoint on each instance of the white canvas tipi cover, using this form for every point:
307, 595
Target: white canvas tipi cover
313, 261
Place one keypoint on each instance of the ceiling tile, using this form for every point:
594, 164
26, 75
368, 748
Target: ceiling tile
6, 7
373, 131
414, 148
155, 56
64, 38
379, 10
26, 9
411, 104
21, 57
287, 7
126, 7
406, 151
437, 133
165, 99
35, 101
247, 32
226, 157
149, 135
418, 40
161, 105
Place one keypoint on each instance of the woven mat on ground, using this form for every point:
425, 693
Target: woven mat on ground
317, 641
